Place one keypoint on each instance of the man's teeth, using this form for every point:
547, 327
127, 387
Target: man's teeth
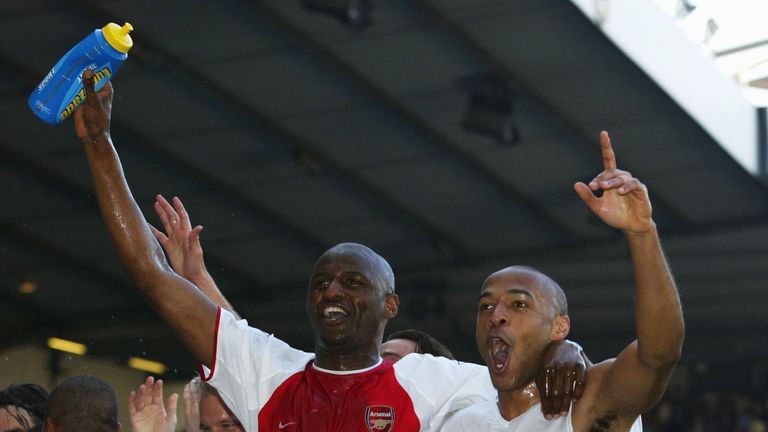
498, 345
334, 310
499, 351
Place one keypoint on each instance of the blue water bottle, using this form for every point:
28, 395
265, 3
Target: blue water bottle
61, 91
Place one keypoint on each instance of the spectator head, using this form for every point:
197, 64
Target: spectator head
22, 406
214, 414
82, 404
404, 342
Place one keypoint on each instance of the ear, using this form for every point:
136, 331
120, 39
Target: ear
561, 328
391, 305
119, 427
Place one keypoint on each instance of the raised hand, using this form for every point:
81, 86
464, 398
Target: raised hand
180, 241
624, 204
92, 118
182, 245
146, 410
191, 409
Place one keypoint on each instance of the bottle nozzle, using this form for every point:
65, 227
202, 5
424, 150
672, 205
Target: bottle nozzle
118, 36
125, 29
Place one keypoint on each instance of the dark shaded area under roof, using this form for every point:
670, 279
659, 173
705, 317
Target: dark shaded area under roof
286, 132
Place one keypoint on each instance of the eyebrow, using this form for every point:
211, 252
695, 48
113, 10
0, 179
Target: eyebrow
343, 272
509, 291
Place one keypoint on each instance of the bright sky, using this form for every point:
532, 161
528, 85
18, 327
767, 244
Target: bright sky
739, 23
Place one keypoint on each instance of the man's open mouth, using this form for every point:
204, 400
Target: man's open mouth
334, 314
498, 351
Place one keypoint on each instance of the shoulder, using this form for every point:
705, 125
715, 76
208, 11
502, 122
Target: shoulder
237, 342
477, 417
439, 374
424, 363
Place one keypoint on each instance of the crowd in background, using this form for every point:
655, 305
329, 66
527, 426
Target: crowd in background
709, 411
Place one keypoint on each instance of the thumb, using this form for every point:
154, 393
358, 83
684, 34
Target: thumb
194, 237
89, 83
586, 195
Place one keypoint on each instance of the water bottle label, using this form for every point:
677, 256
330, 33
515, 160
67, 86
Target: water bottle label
72, 101
46, 79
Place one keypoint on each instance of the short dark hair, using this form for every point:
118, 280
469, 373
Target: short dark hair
28, 397
425, 344
83, 404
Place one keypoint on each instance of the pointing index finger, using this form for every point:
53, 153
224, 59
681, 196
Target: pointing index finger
609, 158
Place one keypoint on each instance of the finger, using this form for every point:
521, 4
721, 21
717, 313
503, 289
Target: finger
187, 401
609, 158
182, 212
586, 195
132, 403
570, 375
89, 82
149, 386
163, 217
140, 397
107, 89
557, 392
580, 383
612, 183
157, 392
170, 213
595, 183
194, 238
162, 238
630, 185
546, 398
170, 408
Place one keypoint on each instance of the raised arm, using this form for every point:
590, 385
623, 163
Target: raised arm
182, 245
633, 382
173, 297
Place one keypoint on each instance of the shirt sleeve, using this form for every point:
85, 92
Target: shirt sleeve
248, 366
439, 386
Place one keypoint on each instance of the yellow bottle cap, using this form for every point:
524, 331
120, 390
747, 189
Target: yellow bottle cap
118, 36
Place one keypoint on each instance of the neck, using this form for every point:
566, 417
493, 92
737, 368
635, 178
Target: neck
341, 359
513, 403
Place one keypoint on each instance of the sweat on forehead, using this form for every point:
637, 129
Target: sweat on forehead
376, 262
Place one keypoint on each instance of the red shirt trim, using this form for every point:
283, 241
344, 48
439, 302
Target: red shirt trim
200, 369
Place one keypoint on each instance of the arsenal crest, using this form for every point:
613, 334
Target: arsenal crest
379, 418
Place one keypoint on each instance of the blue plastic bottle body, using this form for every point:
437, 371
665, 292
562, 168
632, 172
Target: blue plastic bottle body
61, 91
